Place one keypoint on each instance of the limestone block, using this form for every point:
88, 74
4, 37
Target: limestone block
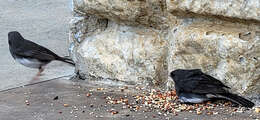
242, 9
130, 12
228, 51
129, 54
143, 40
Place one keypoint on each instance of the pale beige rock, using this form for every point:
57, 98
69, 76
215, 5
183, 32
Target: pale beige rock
228, 51
242, 9
143, 40
130, 12
129, 54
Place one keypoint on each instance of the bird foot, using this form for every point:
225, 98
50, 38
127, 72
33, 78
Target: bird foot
35, 78
40, 74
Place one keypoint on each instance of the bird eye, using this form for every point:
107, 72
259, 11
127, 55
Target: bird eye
172, 74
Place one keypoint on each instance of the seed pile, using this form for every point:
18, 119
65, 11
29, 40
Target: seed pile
168, 102
162, 102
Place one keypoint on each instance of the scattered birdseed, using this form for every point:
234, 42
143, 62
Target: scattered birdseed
210, 113
27, 102
88, 94
215, 113
113, 111
66, 105
199, 112
56, 98
100, 89
257, 109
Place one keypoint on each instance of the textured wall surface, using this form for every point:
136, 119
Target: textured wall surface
228, 51
141, 41
124, 53
242, 9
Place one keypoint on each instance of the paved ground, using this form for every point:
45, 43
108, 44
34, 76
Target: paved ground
43, 21
88, 101
46, 22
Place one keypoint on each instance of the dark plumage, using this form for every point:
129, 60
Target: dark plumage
31, 54
194, 86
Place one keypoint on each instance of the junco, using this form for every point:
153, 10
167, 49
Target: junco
194, 86
31, 54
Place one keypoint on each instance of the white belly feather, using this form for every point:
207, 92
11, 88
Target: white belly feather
32, 63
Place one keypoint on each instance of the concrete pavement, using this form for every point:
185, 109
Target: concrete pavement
71, 100
45, 22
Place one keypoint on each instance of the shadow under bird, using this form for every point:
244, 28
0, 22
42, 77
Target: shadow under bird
31, 54
194, 86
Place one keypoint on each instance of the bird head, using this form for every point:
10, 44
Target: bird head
180, 74
14, 36
174, 74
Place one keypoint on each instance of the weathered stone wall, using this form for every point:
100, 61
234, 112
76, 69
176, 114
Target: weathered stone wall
141, 41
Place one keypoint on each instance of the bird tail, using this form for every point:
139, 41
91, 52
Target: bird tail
237, 99
66, 60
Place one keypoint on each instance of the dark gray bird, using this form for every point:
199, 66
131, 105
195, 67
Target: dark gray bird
194, 86
31, 54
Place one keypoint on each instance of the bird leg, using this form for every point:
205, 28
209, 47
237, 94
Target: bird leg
41, 69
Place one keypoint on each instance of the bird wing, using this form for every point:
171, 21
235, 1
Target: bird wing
33, 50
40, 55
202, 84
214, 80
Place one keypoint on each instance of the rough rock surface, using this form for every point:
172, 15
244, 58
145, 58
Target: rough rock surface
130, 12
124, 53
227, 51
242, 9
143, 40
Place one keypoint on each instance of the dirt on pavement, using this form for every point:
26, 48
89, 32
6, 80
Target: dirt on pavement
63, 99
